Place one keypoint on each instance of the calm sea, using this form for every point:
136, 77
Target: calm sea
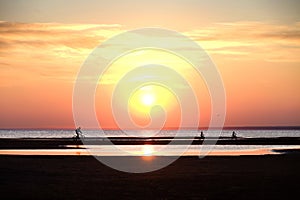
249, 133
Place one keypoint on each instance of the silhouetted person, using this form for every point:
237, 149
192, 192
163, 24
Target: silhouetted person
202, 135
78, 133
233, 136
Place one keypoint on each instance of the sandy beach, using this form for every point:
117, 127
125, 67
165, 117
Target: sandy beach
50, 143
83, 177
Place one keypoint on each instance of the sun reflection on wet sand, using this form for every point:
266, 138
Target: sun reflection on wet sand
149, 151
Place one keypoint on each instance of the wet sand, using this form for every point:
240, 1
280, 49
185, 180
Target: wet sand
56, 143
83, 177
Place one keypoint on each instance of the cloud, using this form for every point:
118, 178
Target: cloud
57, 51
73, 40
49, 49
69, 35
246, 31
250, 40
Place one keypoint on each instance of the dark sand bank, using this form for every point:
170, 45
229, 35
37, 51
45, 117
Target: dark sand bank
83, 177
54, 143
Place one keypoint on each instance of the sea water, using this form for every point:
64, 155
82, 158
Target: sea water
247, 133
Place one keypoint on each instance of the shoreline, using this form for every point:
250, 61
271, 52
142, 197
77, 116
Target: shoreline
60, 143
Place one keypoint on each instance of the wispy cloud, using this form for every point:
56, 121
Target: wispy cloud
57, 50
49, 49
51, 34
251, 40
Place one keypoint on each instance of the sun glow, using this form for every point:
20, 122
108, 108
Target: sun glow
148, 99
147, 150
149, 102
151, 99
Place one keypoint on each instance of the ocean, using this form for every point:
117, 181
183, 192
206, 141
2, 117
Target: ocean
247, 133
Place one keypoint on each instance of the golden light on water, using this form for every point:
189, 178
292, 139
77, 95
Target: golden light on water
147, 150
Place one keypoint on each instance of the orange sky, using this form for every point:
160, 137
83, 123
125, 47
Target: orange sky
257, 54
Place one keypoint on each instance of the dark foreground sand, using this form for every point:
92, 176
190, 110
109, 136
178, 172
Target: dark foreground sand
83, 177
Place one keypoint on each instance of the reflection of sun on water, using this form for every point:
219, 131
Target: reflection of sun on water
147, 150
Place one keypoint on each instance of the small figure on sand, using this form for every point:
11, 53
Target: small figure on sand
233, 136
78, 133
202, 135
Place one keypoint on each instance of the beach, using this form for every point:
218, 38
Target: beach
213, 177
61, 168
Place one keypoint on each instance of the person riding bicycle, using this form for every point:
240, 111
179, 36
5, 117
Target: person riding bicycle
78, 132
202, 135
233, 136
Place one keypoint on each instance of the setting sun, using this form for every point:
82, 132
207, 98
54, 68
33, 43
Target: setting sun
148, 99
155, 81
56, 45
174, 99
144, 103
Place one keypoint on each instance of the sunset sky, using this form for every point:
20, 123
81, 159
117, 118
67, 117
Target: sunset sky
254, 44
